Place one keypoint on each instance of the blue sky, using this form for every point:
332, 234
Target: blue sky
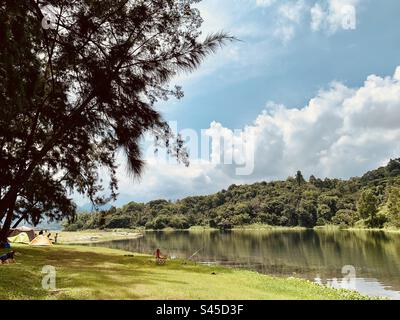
310, 88
241, 78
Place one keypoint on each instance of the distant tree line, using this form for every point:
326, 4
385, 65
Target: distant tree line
371, 201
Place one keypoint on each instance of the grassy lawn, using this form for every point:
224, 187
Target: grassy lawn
100, 273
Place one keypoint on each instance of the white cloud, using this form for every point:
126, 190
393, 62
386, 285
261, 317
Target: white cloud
341, 132
317, 17
265, 26
285, 33
292, 10
233, 18
289, 16
264, 3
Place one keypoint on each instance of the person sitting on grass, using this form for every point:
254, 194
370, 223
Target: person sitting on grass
160, 259
7, 258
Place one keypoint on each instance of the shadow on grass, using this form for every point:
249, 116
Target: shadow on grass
84, 274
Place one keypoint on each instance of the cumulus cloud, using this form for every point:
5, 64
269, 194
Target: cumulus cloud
341, 132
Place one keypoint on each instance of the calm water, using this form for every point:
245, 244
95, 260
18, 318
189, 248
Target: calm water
314, 255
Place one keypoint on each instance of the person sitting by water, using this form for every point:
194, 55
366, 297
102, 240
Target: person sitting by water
160, 259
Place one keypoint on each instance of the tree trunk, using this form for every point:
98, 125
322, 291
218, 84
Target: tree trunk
16, 224
5, 230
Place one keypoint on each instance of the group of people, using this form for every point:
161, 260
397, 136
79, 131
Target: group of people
43, 232
9, 257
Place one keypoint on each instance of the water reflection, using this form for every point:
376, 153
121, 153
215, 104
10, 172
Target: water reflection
309, 254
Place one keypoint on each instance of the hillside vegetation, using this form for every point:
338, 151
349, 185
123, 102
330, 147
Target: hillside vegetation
372, 201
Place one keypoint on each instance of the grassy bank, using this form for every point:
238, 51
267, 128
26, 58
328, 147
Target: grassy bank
338, 228
89, 236
260, 226
386, 229
92, 236
100, 273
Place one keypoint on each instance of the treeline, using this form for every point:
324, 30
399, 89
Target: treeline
370, 201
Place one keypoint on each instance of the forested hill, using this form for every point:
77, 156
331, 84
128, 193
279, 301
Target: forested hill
371, 201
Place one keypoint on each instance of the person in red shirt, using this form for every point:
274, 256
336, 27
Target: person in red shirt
160, 258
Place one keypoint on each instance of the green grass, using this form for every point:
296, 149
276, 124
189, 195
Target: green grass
100, 273
385, 229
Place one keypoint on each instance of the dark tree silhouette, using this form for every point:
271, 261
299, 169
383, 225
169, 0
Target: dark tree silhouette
299, 178
79, 81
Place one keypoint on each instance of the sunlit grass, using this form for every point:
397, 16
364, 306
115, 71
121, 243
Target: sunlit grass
100, 273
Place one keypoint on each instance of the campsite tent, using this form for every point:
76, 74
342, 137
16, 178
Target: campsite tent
41, 241
20, 238
29, 231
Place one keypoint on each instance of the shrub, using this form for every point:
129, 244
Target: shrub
122, 222
71, 227
178, 222
224, 225
158, 223
345, 217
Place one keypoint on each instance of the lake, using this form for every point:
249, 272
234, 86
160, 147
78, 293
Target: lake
366, 261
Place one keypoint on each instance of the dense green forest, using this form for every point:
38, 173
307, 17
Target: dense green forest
371, 201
